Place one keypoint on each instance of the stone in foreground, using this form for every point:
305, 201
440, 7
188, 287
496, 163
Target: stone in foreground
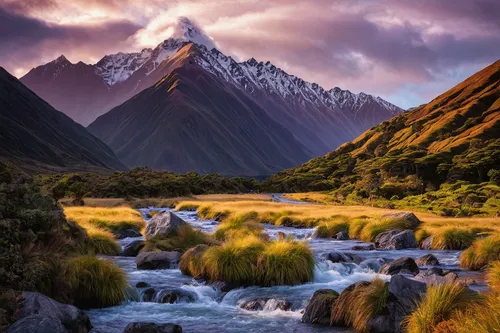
37, 324
158, 260
152, 328
405, 265
165, 225
396, 240
319, 308
427, 260
132, 249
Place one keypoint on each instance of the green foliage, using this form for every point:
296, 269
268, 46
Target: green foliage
95, 283
439, 305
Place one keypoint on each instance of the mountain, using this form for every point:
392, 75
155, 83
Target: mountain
454, 137
36, 137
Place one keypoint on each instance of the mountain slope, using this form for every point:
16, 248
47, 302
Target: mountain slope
454, 137
191, 120
36, 137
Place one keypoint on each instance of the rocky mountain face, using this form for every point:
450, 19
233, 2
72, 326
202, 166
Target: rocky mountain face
36, 137
320, 120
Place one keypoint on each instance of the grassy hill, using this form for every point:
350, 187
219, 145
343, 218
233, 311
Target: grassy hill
450, 144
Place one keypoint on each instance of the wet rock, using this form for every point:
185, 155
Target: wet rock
73, 319
165, 224
127, 233
37, 324
337, 256
432, 279
339, 306
412, 219
132, 249
380, 324
405, 265
342, 236
266, 304
427, 260
396, 240
152, 328
426, 244
158, 260
319, 308
368, 247
142, 284
373, 264
148, 295
174, 295
223, 286
405, 294
281, 235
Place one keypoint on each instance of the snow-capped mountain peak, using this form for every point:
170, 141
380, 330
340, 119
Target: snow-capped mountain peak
188, 31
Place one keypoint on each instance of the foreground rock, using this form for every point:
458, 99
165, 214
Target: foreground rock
405, 295
427, 260
412, 219
436, 276
320, 306
152, 328
266, 304
158, 260
405, 265
37, 324
427, 243
127, 233
132, 249
373, 264
71, 318
165, 224
337, 256
396, 240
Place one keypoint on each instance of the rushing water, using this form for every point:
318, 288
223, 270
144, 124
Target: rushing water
206, 309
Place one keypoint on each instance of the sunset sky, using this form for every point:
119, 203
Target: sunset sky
404, 51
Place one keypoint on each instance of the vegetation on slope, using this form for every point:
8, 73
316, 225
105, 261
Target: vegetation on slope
443, 156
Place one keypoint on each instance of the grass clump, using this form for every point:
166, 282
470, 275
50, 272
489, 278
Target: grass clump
238, 227
356, 226
113, 219
373, 228
452, 239
189, 206
439, 305
286, 263
95, 283
191, 262
330, 228
481, 253
493, 276
185, 238
102, 242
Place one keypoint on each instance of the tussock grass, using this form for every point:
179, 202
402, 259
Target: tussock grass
452, 239
191, 262
101, 241
112, 219
481, 253
421, 235
373, 228
493, 276
187, 206
286, 263
330, 228
439, 305
186, 238
95, 283
238, 227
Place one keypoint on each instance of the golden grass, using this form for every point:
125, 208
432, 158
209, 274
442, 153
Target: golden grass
481, 253
101, 241
493, 276
112, 219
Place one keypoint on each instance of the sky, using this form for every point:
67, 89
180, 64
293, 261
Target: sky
405, 51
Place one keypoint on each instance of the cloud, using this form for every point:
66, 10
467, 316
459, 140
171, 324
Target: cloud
388, 47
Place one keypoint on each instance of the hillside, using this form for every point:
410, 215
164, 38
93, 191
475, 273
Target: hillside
454, 137
36, 137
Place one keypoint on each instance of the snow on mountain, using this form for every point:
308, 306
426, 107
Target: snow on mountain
115, 68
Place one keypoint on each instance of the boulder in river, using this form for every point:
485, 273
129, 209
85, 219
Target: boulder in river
152, 328
132, 249
427, 243
142, 284
337, 256
320, 306
174, 295
431, 277
165, 224
374, 264
405, 265
405, 295
366, 247
427, 260
342, 236
412, 219
396, 240
73, 319
158, 260
265, 304
37, 324
127, 233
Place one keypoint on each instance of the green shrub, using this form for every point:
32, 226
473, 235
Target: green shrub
95, 283
439, 305
481, 253
286, 263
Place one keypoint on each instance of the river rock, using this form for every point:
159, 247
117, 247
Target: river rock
396, 240
148, 295
142, 284
412, 219
152, 328
73, 319
165, 224
280, 235
405, 296
127, 233
432, 279
37, 324
366, 247
342, 236
266, 304
320, 306
405, 265
373, 264
158, 260
337, 256
427, 243
380, 324
427, 260
174, 295
132, 249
